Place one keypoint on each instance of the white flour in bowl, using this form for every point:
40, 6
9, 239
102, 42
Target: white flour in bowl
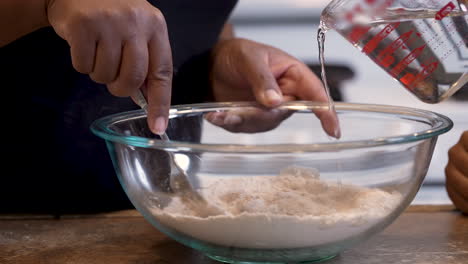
294, 209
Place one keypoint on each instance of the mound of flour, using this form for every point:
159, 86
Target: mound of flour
294, 209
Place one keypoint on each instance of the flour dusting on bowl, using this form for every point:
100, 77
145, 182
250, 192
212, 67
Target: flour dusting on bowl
295, 209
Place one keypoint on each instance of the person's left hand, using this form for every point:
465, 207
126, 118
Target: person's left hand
456, 173
245, 70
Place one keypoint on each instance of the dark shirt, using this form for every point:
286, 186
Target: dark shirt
52, 162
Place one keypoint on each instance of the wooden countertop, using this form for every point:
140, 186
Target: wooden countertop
423, 234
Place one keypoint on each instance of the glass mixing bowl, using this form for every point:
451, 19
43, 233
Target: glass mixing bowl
288, 193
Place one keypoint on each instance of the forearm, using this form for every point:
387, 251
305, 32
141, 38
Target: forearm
20, 17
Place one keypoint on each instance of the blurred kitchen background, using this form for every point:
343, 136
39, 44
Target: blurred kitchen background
291, 25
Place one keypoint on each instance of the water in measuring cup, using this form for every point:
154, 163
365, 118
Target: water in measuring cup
425, 51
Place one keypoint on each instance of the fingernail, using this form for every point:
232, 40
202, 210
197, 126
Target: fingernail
160, 125
337, 133
216, 119
232, 120
273, 97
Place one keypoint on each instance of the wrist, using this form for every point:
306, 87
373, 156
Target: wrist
19, 18
46, 6
215, 51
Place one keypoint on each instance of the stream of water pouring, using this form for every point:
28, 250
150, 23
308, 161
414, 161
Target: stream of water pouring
331, 105
321, 44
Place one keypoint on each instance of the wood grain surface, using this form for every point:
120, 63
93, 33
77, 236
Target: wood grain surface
423, 234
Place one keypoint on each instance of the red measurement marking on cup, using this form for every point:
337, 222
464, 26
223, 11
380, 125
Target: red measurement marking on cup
407, 79
357, 33
445, 11
385, 57
358, 9
381, 8
377, 9
422, 75
406, 61
374, 42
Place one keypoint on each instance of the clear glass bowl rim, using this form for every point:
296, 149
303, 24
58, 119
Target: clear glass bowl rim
440, 124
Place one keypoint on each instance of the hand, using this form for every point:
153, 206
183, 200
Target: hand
456, 173
121, 43
250, 120
246, 70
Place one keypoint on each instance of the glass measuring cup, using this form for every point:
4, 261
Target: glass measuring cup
423, 44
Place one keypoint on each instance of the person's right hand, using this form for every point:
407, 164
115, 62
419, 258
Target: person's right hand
121, 43
457, 173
